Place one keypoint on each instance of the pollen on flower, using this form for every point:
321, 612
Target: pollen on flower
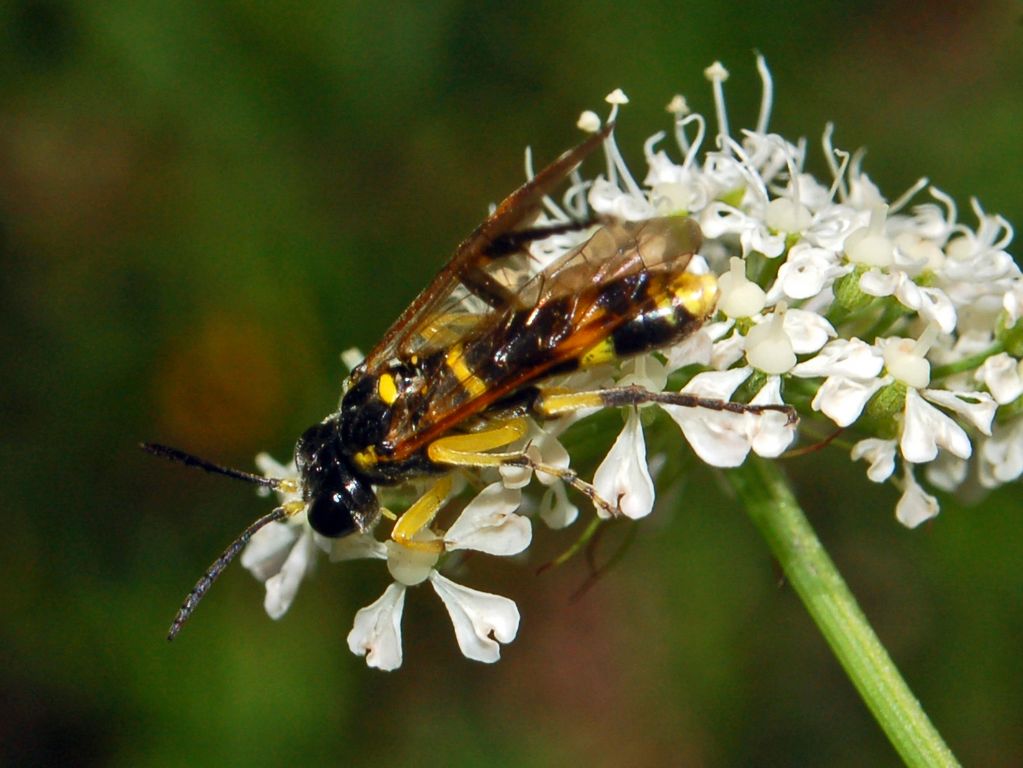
588, 121
677, 106
716, 72
617, 96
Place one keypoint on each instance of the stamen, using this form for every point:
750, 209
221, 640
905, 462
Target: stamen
746, 166
908, 195
717, 74
692, 151
837, 171
649, 144
588, 121
926, 340
951, 211
766, 96
616, 163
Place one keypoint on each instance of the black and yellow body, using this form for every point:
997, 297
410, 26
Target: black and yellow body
623, 292
450, 380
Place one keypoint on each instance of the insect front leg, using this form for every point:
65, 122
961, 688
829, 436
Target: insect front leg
418, 517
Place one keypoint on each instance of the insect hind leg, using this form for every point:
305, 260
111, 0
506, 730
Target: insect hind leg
555, 403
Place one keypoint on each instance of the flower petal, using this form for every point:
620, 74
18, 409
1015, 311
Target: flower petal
268, 548
481, 620
358, 546
770, 433
718, 437
556, 509
1001, 455
915, 506
376, 633
925, 428
842, 400
852, 358
880, 454
282, 587
623, 477
1002, 375
978, 408
489, 523
807, 331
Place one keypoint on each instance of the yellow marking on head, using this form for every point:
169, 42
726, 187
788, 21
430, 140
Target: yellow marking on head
387, 388
289, 486
698, 294
601, 352
366, 458
473, 384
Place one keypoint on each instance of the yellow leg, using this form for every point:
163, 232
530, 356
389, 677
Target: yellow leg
470, 449
420, 515
557, 403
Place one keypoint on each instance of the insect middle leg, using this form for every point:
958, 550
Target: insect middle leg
474, 450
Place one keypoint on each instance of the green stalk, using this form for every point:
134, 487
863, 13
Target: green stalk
770, 503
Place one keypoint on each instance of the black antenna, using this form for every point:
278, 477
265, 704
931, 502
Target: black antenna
203, 585
189, 460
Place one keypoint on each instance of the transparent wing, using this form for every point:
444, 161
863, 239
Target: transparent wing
482, 276
563, 311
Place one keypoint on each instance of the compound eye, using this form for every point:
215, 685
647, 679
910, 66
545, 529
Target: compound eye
330, 516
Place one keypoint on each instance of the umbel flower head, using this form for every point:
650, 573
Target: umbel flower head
888, 323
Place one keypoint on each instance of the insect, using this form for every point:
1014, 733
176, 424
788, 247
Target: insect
450, 382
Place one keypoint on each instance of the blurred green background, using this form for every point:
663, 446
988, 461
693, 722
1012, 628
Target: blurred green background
201, 204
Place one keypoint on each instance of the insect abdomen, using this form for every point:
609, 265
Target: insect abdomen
675, 306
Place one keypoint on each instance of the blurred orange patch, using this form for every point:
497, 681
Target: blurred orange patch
220, 388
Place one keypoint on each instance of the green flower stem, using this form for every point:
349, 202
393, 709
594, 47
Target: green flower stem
967, 363
764, 490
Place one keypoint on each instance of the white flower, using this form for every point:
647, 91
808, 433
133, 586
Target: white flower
377, 630
481, 620
623, 477
807, 271
851, 368
1001, 455
280, 554
881, 455
915, 506
724, 438
831, 299
487, 524
1003, 377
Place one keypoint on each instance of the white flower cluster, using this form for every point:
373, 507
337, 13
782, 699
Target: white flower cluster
896, 325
